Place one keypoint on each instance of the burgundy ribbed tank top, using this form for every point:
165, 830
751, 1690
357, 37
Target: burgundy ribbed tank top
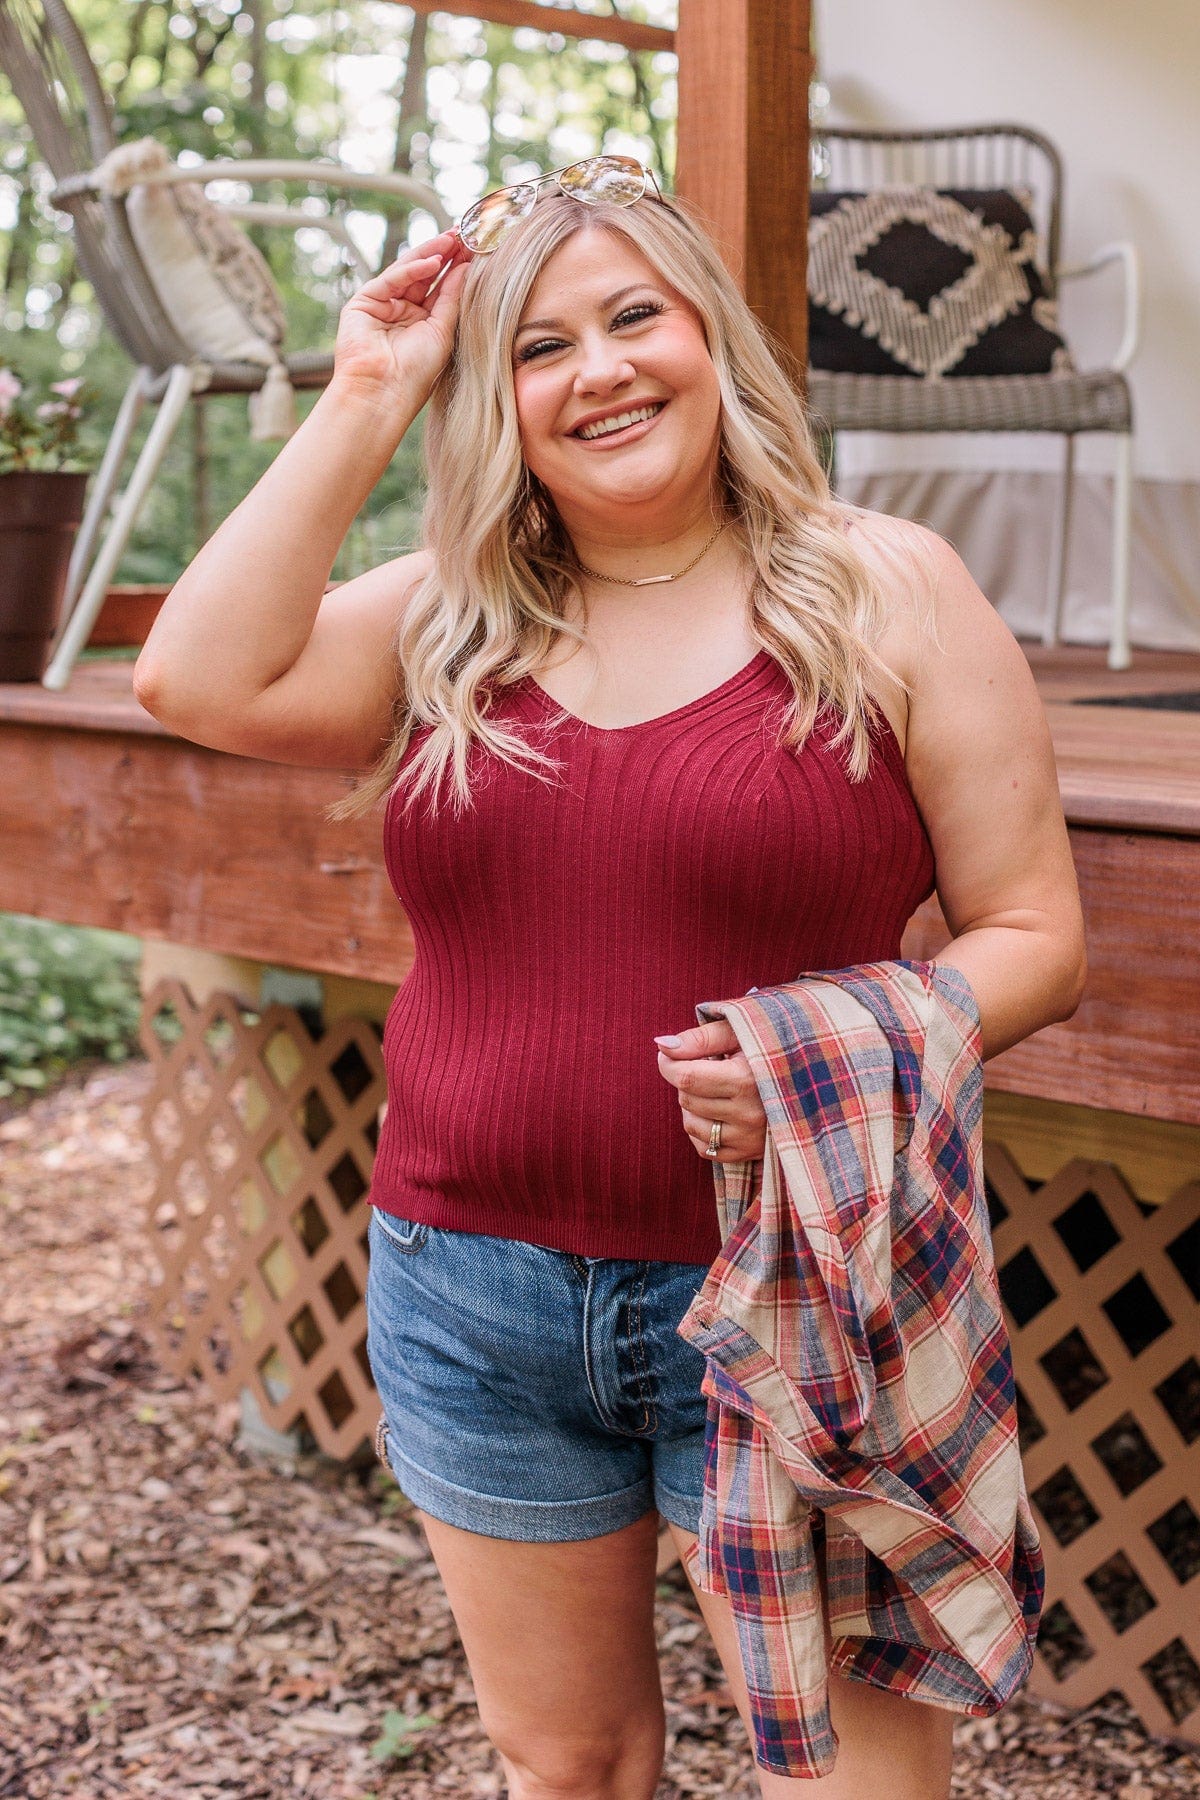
559, 928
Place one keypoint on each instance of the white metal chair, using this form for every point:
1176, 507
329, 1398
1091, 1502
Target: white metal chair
45, 57
994, 156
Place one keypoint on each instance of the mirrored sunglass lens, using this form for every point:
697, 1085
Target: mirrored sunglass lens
484, 224
619, 180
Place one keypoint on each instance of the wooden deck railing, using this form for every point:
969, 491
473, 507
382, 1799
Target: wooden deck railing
607, 28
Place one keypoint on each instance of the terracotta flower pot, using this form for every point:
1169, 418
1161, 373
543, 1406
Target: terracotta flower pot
40, 513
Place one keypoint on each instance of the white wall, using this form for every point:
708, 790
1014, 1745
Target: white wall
1116, 88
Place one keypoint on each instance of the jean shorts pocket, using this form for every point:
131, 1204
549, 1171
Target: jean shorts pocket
406, 1235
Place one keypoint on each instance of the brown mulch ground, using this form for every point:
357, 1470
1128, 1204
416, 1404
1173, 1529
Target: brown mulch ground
179, 1617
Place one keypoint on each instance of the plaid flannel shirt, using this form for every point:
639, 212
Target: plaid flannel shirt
858, 1366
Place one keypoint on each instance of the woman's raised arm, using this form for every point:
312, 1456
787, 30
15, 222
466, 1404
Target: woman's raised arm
981, 766
247, 654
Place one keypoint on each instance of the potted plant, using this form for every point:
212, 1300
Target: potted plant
42, 483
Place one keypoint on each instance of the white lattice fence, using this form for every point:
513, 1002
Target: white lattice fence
265, 1136
1103, 1299
264, 1139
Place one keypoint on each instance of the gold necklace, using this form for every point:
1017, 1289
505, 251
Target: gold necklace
653, 580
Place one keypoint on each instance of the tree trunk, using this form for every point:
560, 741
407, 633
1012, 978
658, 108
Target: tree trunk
133, 44
257, 49
413, 114
643, 97
21, 240
491, 101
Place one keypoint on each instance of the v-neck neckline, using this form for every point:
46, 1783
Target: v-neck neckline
553, 705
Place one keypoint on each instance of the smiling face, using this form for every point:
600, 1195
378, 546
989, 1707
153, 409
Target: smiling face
617, 397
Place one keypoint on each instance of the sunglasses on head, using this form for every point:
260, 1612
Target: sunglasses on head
597, 180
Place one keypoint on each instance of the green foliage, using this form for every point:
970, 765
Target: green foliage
65, 994
302, 79
395, 1739
385, 1491
43, 438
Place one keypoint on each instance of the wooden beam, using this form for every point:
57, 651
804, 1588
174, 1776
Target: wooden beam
1134, 1044
744, 70
147, 834
565, 19
106, 819
113, 822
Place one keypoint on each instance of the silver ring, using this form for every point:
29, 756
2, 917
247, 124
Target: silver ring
714, 1139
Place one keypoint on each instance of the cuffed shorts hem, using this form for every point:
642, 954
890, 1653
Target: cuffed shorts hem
522, 1521
678, 1509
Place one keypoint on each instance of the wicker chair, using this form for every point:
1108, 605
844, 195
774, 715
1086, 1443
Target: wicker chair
45, 57
993, 156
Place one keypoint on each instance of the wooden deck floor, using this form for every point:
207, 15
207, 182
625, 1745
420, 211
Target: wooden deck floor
1120, 767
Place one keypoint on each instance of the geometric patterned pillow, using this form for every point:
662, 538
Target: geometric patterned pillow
928, 283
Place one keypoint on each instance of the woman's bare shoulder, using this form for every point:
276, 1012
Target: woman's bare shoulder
908, 553
942, 633
906, 562
927, 582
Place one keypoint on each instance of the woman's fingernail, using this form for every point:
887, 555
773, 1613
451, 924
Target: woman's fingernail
669, 1043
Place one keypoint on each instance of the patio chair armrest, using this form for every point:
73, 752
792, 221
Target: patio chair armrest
253, 170
293, 218
1126, 254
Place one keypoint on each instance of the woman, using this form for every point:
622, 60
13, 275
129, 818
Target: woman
658, 720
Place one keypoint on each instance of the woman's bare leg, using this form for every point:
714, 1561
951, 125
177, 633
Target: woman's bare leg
888, 1745
560, 1643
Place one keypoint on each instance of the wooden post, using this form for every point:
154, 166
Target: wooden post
744, 69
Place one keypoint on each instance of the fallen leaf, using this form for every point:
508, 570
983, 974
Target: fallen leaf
397, 1543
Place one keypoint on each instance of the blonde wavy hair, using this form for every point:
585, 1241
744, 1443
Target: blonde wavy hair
491, 606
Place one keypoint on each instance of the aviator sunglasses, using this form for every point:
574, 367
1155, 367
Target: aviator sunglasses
597, 180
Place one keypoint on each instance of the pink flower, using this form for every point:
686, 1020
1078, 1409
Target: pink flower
68, 389
53, 409
10, 390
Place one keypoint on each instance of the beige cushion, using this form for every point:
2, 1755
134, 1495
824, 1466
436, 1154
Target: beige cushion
211, 280
213, 284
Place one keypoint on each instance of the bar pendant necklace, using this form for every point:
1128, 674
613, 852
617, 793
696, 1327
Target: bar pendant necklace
653, 580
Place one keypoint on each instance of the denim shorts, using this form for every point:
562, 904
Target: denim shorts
530, 1393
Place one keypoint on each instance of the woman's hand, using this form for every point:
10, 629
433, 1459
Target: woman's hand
714, 1082
395, 335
